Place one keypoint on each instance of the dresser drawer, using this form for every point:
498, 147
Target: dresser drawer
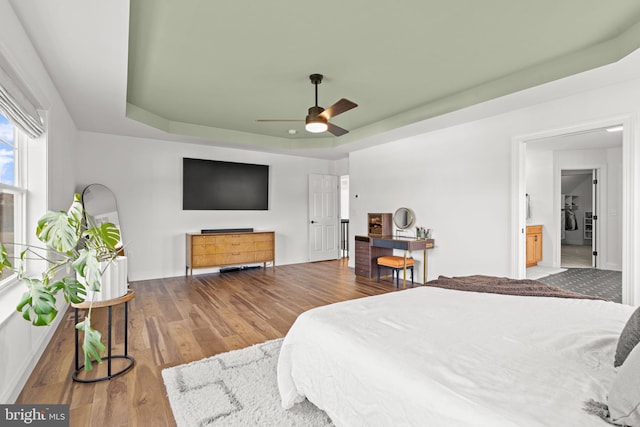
203, 240
202, 249
263, 256
234, 247
235, 258
204, 261
229, 239
264, 245
263, 237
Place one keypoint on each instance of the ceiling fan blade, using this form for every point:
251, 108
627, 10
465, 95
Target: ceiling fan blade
336, 130
278, 120
338, 108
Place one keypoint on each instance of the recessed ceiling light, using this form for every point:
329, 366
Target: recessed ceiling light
292, 131
615, 129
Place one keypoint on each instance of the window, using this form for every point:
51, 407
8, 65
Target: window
12, 191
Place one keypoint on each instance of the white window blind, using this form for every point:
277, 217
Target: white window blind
17, 107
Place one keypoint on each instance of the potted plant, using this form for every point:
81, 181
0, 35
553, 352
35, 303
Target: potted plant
72, 244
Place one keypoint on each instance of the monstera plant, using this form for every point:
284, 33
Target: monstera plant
73, 247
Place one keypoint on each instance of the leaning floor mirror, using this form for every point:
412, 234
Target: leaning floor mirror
100, 207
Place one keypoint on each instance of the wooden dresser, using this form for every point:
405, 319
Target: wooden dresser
229, 249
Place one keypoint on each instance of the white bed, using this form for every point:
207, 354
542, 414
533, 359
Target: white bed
436, 357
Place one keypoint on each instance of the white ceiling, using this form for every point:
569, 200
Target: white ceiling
203, 72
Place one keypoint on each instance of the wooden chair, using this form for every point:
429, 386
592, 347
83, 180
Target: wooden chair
396, 264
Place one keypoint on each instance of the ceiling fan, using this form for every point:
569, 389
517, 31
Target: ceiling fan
318, 118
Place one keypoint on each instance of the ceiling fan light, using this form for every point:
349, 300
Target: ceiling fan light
316, 127
316, 124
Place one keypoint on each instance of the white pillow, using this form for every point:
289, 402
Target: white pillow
624, 396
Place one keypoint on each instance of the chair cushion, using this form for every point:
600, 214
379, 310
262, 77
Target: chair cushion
394, 261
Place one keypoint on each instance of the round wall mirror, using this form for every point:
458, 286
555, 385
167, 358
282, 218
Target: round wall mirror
404, 218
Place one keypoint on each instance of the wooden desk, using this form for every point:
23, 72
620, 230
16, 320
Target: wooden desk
368, 249
406, 245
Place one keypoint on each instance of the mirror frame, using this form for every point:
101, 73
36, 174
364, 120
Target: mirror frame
114, 218
409, 213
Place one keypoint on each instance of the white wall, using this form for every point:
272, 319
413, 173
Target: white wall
458, 179
61, 138
51, 177
146, 177
539, 184
344, 197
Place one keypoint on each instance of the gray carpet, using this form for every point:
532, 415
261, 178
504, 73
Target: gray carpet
602, 283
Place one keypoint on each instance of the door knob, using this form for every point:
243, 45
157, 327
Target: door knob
313, 222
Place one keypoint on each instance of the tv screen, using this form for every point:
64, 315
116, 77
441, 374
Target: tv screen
217, 185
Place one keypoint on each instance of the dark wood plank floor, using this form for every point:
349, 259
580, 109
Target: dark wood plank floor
178, 320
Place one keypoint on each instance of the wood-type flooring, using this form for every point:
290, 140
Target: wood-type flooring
179, 320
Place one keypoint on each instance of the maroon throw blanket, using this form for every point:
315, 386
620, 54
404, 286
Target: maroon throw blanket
506, 286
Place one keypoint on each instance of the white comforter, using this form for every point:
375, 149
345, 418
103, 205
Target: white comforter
437, 357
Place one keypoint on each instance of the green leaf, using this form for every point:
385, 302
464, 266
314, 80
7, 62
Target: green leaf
92, 344
4, 258
72, 289
88, 266
107, 235
22, 264
76, 211
58, 231
39, 301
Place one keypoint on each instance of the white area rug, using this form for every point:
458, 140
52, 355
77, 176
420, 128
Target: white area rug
237, 388
538, 272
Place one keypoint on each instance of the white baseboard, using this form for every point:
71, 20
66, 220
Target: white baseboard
614, 267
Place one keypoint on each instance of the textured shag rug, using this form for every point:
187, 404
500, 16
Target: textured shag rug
238, 388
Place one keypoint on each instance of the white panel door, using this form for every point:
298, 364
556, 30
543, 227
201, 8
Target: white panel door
324, 218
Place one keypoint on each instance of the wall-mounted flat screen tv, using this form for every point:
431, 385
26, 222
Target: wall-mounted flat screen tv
218, 185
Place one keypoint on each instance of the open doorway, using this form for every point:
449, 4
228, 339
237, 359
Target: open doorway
344, 216
578, 218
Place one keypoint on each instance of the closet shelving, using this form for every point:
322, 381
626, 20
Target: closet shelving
588, 225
